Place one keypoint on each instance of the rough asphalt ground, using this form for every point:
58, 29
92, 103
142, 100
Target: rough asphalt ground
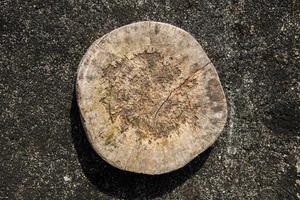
255, 48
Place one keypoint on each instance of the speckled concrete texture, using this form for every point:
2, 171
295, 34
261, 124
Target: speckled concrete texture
254, 46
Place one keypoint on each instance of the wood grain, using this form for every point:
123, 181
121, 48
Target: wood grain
150, 98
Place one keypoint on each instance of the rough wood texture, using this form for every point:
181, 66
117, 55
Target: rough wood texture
150, 98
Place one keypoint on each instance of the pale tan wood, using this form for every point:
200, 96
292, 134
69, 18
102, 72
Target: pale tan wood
150, 98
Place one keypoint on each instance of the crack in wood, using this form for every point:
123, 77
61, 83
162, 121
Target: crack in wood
180, 85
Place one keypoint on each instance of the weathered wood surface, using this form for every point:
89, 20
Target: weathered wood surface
150, 98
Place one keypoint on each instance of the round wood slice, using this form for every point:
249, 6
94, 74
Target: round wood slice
150, 98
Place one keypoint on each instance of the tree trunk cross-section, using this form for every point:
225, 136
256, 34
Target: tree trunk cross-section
150, 98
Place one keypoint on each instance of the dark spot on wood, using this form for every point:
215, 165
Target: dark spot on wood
156, 29
194, 67
127, 40
213, 90
90, 77
217, 108
80, 76
94, 62
213, 121
152, 58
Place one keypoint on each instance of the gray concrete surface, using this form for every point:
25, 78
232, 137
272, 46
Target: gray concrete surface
255, 48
